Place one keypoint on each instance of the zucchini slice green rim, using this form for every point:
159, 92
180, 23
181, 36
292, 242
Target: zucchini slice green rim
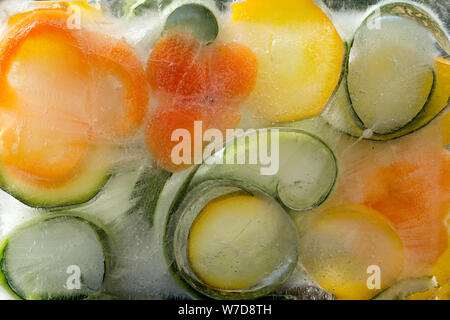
195, 19
88, 182
340, 113
405, 288
198, 17
198, 178
87, 231
295, 187
177, 234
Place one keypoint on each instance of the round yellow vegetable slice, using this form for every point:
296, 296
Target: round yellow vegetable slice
351, 251
238, 241
300, 56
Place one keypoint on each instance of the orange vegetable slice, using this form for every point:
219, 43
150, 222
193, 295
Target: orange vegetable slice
413, 194
86, 73
118, 90
175, 66
181, 67
62, 87
195, 83
45, 152
232, 71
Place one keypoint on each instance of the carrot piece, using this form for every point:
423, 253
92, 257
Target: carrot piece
165, 119
195, 83
232, 72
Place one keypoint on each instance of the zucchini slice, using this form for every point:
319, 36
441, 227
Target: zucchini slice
89, 178
126, 211
205, 265
418, 14
300, 175
54, 258
402, 289
198, 17
195, 19
389, 76
318, 127
340, 112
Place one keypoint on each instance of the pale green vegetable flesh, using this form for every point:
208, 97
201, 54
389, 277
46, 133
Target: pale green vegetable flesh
294, 167
406, 288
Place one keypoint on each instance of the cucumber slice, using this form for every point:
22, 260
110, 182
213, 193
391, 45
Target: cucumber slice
283, 250
389, 76
56, 257
301, 175
407, 287
90, 177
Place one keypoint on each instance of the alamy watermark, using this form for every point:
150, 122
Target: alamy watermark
73, 281
262, 147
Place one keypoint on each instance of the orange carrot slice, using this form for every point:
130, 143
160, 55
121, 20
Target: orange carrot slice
195, 83
180, 66
232, 70
175, 66
166, 119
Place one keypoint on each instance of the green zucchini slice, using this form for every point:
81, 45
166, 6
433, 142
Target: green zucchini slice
131, 8
126, 211
273, 234
341, 111
54, 258
405, 288
389, 76
89, 179
300, 172
195, 19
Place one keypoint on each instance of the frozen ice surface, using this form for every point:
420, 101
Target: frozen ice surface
141, 271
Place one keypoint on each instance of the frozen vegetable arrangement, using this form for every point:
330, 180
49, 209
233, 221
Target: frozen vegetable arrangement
198, 149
